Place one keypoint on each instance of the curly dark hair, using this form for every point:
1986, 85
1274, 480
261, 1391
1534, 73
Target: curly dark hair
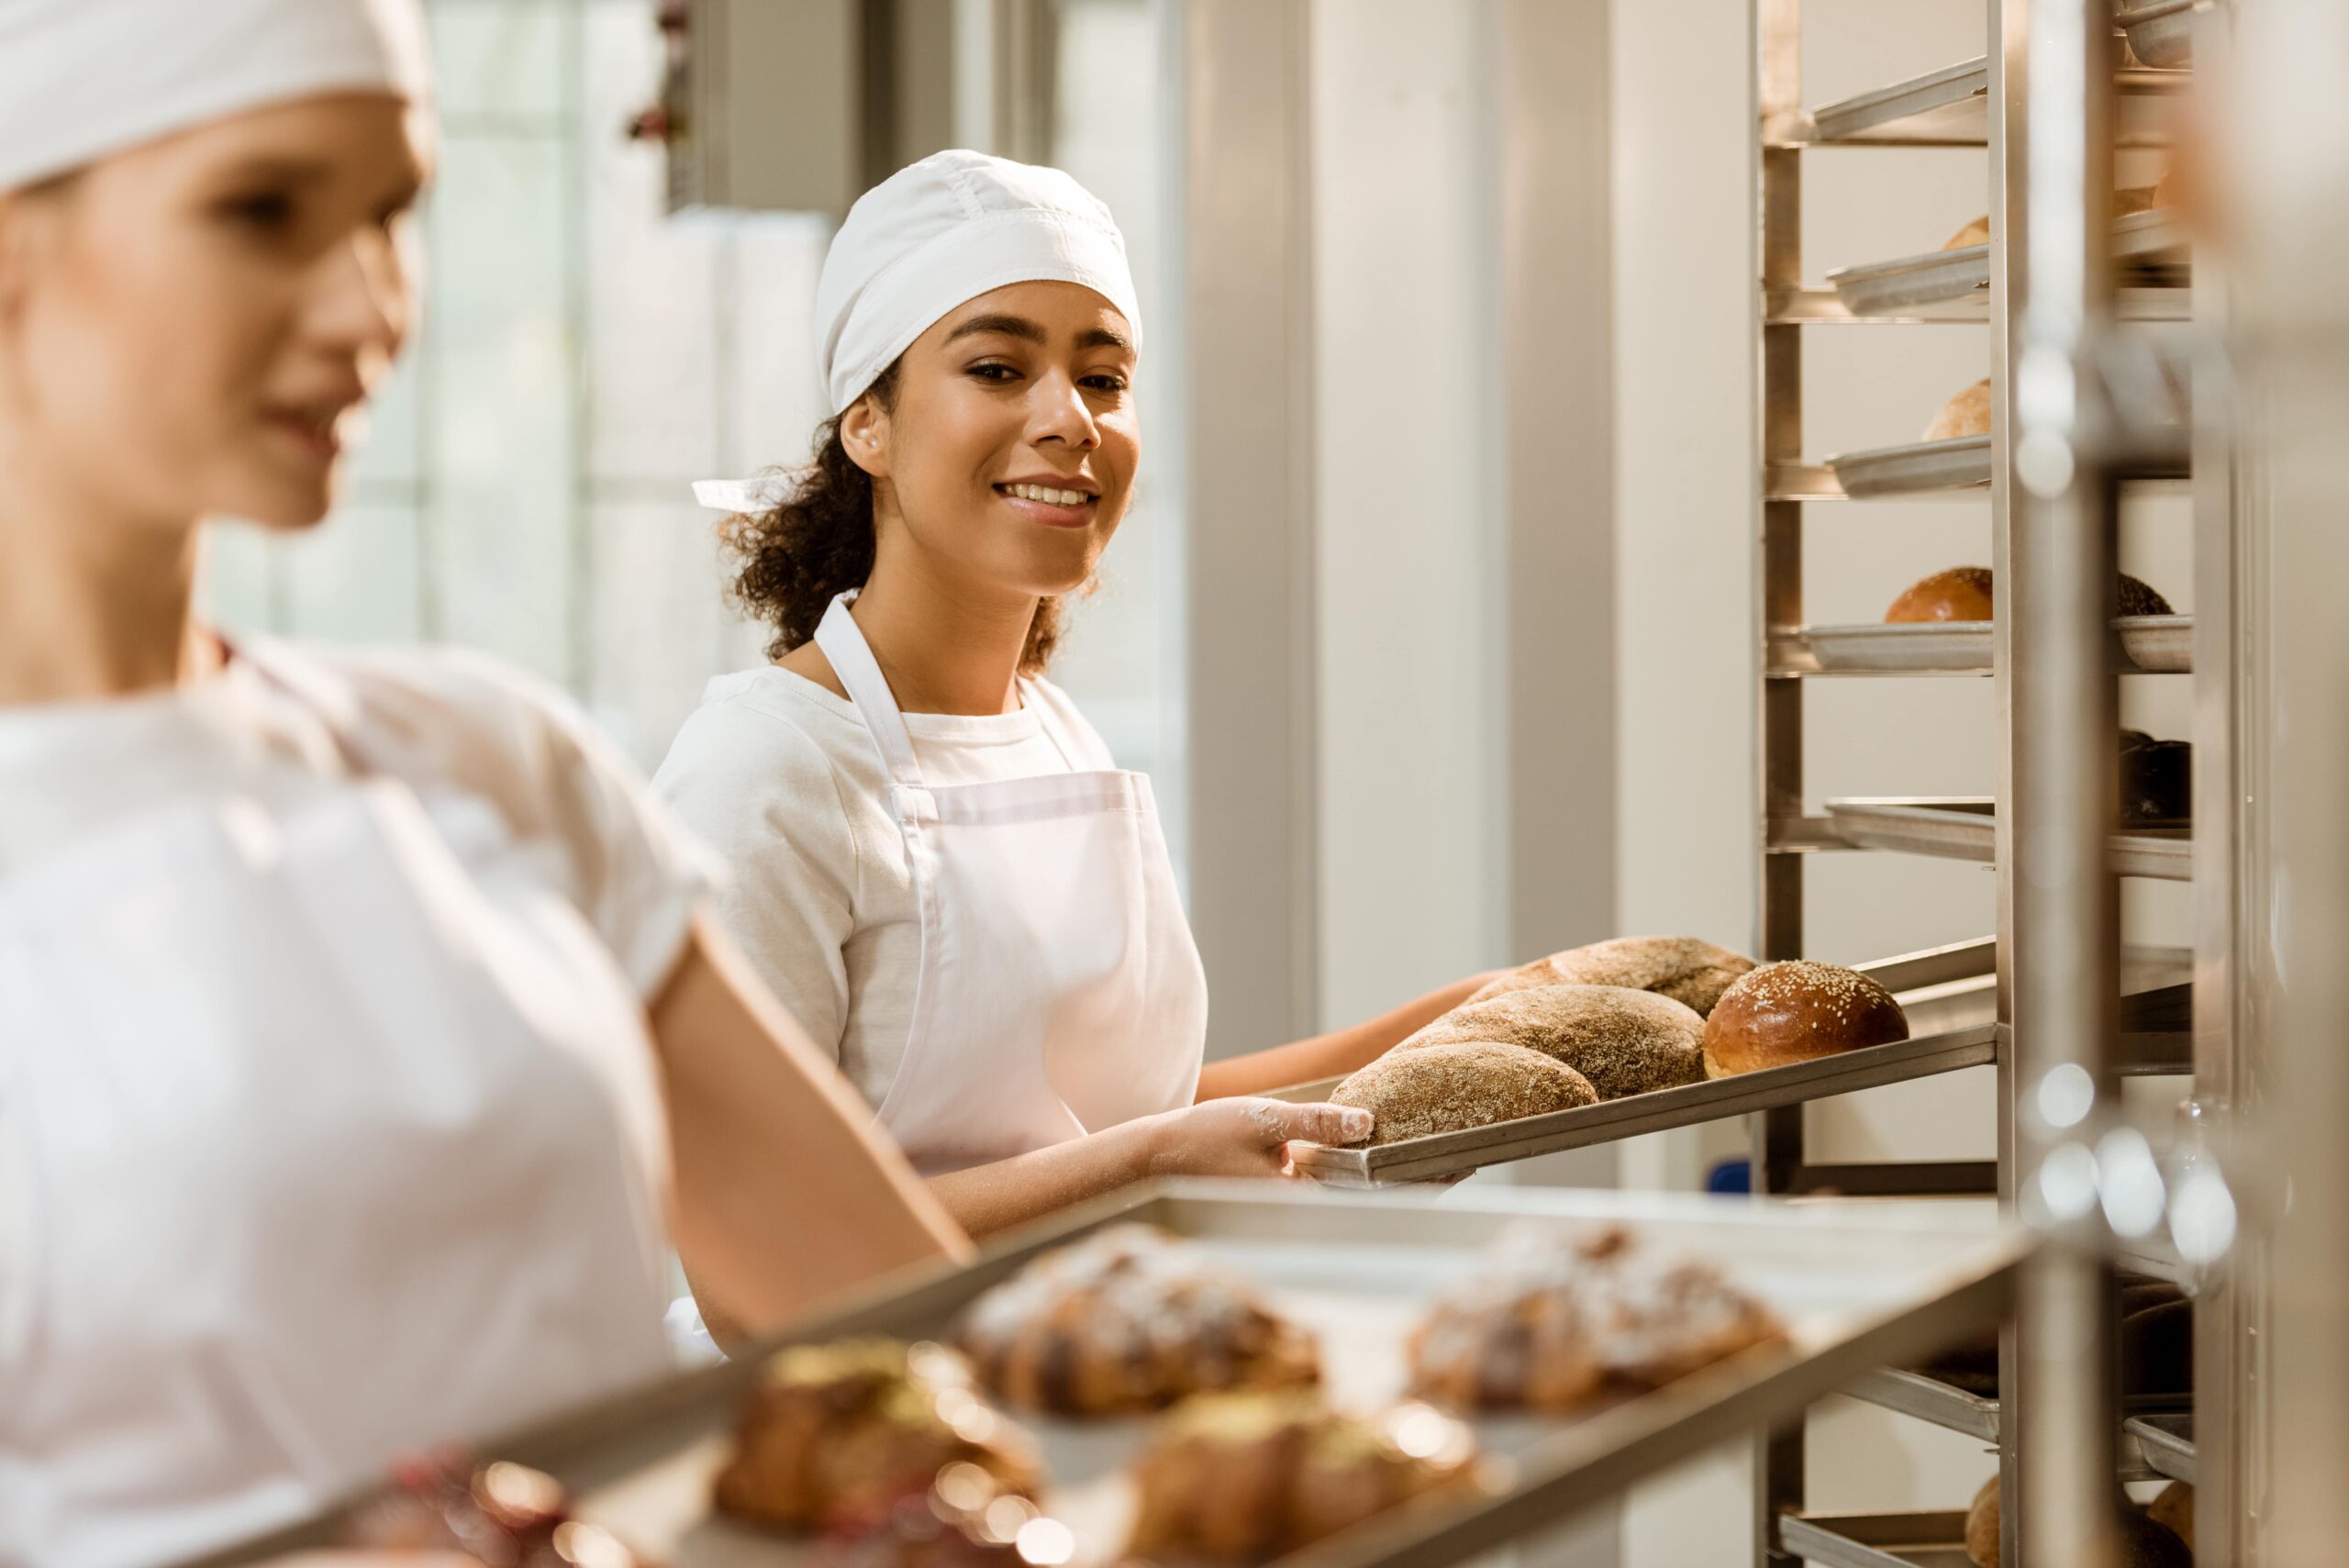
791, 561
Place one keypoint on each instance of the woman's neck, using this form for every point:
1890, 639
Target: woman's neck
945, 646
92, 607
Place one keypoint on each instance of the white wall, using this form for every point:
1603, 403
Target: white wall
1408, 542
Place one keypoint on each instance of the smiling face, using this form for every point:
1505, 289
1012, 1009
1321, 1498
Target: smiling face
189, 328
1006, 452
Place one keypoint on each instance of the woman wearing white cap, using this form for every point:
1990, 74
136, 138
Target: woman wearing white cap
358, 1028
935, 863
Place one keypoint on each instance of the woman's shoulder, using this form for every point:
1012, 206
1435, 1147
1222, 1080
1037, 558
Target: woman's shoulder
768, 721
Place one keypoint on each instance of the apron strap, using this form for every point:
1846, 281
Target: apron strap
851, 659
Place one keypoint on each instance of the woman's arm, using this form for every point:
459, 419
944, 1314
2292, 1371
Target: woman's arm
785, 1196
1231, 1138
1336, 1054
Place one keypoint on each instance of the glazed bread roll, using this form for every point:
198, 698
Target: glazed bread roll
1691, 972
1623, 1041
1797, 1011
1975, 233
1964, 593
1129, 1318
1968, 414
1554, 1321
1448, 1088
2143, 1543
1248, 1477
835, 1434
2173, 1510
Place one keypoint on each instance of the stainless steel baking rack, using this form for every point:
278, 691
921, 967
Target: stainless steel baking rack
1876, 1541
1950, 107
2165, 1442
2150, 645
1965, 827
1854, 1289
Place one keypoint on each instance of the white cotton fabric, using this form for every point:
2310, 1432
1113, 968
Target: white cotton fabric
933, 235
778, 776
80, 79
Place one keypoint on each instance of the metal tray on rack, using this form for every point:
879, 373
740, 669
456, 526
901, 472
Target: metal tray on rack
1950, 107
1857, 1288
1960, 464
2161, 33
1964, 827
1450, 1153
1928, 1398
2150, 239
1885, 288
2150, 645
1876, 1541
2166, 1442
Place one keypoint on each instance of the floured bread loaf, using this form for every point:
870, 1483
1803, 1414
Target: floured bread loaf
1964, 593
1797, 1011
1624, 1042
1447, 1088
1968, 414
1690, 972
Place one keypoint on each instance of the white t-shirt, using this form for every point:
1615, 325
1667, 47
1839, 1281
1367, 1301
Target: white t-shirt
781, 779
438, 714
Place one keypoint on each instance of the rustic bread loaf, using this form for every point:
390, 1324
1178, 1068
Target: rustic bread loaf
1623, 1041
1964, 593
1968, 414
1448, 1088
1689, 970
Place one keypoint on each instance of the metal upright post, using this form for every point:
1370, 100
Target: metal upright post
1777, 1140
2059, 602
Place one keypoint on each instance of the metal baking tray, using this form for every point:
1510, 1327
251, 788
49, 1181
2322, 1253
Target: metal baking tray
1960, 464
1859, 1285
1876, 1541
1964, 827
2150, 239
2157, 645
1450, 1153
2150, 645
2161, 34
1927, 1398
1950, 107
1885, 288
2167, 1443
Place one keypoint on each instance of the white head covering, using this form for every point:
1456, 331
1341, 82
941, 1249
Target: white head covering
930, 237
80, 79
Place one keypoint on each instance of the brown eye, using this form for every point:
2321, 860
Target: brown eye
264, 212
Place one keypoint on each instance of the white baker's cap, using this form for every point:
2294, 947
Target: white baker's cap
931, 236
80, 79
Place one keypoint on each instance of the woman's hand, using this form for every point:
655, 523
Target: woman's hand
1247, 1137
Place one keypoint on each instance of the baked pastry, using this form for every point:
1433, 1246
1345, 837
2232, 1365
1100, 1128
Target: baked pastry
1129, 1318
1555, 1320
835, 1435
1690, 972
1248, 1477
966, 1520
1796, 1011
1963, 592
1975, 233
1448, 1088
2173, 1510
2156, 779
1623, 1041
504, 1514
2143, 1543
1968, 414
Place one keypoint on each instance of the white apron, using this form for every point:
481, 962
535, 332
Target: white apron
345, 1138
1059, 990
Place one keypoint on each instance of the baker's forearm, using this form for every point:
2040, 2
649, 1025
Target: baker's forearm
988, 1198
1335, 1054
785, 1196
